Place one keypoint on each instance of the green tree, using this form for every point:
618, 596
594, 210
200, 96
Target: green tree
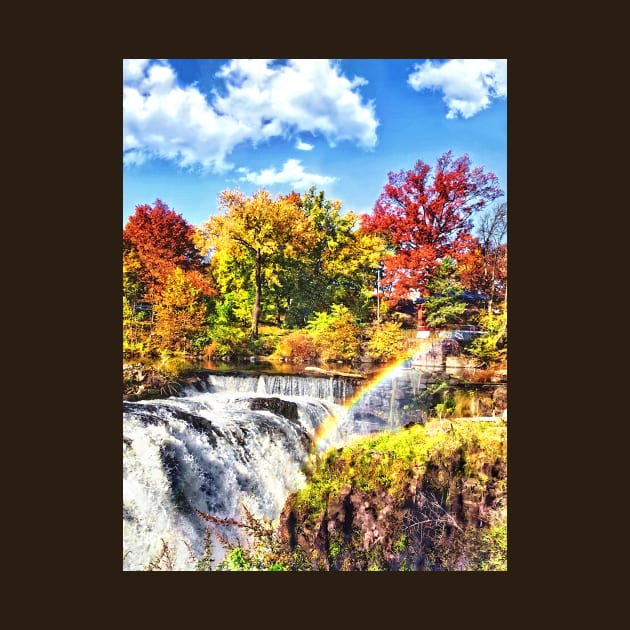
337, 268
232, 276
445, 304
490, 348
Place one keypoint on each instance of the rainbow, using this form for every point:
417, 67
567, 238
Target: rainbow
326, 428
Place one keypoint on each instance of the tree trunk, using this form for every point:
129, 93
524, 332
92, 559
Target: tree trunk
256, 314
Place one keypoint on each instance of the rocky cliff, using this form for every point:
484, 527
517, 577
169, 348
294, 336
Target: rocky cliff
430, 497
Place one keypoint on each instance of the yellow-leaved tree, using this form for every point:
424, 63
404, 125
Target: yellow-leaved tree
180, 311
257, 231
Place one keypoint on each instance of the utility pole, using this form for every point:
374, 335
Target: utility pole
378, 295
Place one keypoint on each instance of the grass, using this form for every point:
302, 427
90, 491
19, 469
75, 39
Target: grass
388, 460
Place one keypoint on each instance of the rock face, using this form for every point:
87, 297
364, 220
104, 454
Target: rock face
285, 408
438, 522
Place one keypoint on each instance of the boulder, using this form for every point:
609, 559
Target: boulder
278, 406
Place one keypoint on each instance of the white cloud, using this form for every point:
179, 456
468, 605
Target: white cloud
467, 84
133, 69
303, 146
292, 173
262, 100
161, 119
302, 95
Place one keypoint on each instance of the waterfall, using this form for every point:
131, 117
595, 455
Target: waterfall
211, 451
234, 441
331, 388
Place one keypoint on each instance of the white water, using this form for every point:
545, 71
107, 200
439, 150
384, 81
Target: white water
209, 451
329, 388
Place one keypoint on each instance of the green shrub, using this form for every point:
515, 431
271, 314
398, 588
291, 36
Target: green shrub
337, 334
491, 348
386, 341
174, 366
237, 560
227, 340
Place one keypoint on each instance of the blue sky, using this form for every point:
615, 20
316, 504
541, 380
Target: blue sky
195, 127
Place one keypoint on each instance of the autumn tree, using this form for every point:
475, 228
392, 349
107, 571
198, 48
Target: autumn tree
385, 341
180, 311
427, 217
163, 240
337, 268
255, 233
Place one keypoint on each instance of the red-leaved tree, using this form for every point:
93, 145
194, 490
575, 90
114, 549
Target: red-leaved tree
163, 241
426, 218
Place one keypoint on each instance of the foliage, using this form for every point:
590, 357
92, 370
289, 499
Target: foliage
163, 561
444, 305
256, 233
260, 552
205, 562
446, 407
237, 560
435, 400
492, 549
162, 240
133, 288
336, 334
491, 279
443, 456
227, 341
490, 348
386, 341
337, 268
370, 462
298, 345
180, 311
424, 220
136, 329
158, 252
174, 367
232, 276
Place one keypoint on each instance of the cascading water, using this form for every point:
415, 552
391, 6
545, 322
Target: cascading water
331, 388
215, 450
231, 440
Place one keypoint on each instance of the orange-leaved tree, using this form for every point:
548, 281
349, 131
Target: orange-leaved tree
163, 240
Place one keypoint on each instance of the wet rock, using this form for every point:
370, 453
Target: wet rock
285, 408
